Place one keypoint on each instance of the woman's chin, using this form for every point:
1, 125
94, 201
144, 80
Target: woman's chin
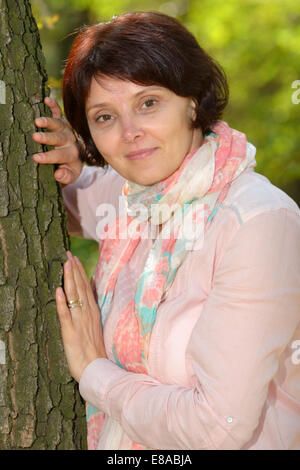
149, 178
144, 180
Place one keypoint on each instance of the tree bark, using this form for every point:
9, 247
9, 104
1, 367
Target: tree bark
40, 406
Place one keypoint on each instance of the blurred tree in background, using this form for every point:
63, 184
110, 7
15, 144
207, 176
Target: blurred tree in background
257, 42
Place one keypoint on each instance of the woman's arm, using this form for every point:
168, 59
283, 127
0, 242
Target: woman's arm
247, 322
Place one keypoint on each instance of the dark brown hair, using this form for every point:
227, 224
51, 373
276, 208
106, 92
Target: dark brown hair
146, 48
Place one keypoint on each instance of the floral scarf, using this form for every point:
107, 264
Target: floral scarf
188, 198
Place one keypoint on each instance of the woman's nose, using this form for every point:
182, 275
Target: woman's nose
131, 130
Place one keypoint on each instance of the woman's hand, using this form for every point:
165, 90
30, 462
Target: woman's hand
66, 146
80, 326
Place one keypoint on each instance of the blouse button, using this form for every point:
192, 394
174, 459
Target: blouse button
229, 419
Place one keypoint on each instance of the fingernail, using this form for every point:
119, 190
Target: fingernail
77, 260
38, 135
38, 156
69, 255
60, 293
68, 265
41, 121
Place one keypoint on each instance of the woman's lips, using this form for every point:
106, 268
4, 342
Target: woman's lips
140, 154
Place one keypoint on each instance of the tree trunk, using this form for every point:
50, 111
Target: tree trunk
40, 406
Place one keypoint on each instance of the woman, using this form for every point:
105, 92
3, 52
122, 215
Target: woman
198, 328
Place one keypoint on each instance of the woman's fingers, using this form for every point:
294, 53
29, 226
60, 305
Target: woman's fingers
89, 291
62, 308
56, 139
64, 175
79, 279
75, 288
83, 282
80, 268
80, 327
53, 156
70, 287
54, 107
61, 132
66, 152
53, 124
70, 165
59, 155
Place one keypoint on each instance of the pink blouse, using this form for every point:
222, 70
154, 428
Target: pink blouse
225, 347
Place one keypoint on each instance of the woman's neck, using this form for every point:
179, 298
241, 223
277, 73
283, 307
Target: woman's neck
197, 140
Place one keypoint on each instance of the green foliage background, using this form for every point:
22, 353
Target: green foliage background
257, 42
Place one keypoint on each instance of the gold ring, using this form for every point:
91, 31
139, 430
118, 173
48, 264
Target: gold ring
74, 303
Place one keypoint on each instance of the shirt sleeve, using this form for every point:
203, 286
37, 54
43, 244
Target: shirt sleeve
246, 324
94, 187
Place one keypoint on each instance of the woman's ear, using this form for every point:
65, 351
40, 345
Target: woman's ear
192, 110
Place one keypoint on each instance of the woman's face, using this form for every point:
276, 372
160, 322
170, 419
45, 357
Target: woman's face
143, 132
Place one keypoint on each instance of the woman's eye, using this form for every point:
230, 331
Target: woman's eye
149, 103
104, 118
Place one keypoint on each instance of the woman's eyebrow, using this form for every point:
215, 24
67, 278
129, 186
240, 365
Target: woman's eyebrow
141, 92
97, 105
146, 90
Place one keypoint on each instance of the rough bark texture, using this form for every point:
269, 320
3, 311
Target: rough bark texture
40, 407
